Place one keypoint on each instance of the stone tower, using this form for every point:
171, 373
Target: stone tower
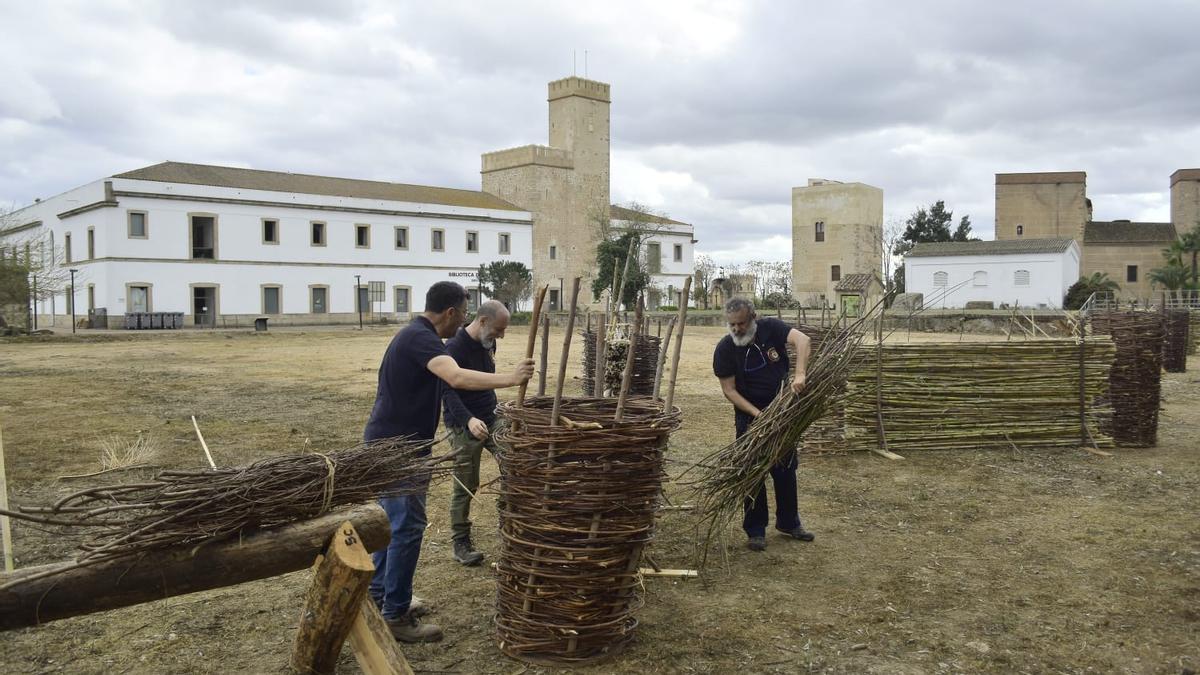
837, 229
1185, 199
564, 184
1047, 205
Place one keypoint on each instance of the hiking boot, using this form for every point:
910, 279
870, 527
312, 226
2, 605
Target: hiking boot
798, 532
419, 607
408, 629
757, 544
465, 553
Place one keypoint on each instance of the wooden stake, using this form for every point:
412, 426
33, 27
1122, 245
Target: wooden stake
204, 445
566, 352
545, 355
332, 603
630, 356
601, 358
682, 322
663, 347
651, 572
374, 647
529, 342
5, 525
633, 250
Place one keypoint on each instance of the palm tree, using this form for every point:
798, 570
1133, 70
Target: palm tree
1189, 245
1083, 289
1173, 277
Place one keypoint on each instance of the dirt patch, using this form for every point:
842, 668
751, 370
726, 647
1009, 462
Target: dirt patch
1022, 560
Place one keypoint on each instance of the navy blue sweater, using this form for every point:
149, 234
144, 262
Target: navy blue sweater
460, 405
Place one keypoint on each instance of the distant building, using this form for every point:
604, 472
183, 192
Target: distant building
837, 230
1022, 273
668, 250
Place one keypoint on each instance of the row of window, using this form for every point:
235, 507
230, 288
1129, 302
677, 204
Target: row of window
980, 278
367, 298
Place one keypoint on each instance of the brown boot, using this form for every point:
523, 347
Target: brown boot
408, 629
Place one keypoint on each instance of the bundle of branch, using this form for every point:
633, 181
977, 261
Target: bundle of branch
1175, 345
1135, 382
188, 507
827, 434
577, 505
722, 481
644, 366
963, 395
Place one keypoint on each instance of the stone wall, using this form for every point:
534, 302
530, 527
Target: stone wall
852, 214
1050, 205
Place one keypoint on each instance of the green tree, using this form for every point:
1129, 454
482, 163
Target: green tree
1081, 290
927, 226
508, 281
1172, 277
1189, 247
610, 258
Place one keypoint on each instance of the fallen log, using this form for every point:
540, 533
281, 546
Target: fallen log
36, 595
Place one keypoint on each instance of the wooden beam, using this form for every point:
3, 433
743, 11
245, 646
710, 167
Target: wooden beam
886, 453
332, 603
651, 572
5, 525
374, 647
35, 595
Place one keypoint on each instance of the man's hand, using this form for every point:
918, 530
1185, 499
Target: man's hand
523, 372
478, 428
798, 383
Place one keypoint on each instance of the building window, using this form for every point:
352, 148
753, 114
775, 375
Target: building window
678, 252
403, 296
318, 299
401, 238
940, 279
835, 273
1021, 278
318, 233
1020, 230
204, 237
138, 298
819, 228
438, 240
362, 236
653, 257
505, 243
91, 244
270, 228
472, 300
66, 247
554, 300
472, 242
554, 252
137, 225
1131, 274
271, 299
979, 279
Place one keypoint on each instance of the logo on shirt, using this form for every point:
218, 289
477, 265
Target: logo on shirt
773, 354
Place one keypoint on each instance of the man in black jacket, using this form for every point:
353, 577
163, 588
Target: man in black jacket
471, 419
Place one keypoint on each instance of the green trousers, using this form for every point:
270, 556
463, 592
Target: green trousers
466, 469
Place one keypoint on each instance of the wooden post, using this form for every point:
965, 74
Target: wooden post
374, 647
663, 348
5, 525
332, 603
35, 595
533, 328
566, 351
682, 322
633, 249
630, 356
545, 355
601, 358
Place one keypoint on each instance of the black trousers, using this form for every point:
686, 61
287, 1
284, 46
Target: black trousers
783, 478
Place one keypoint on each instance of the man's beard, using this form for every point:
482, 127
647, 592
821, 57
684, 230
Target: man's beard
487, 339
746, 339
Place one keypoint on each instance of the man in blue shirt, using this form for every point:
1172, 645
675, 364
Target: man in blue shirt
752, 365
406, 404
471, 418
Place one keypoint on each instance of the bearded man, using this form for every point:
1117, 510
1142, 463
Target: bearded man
752, 365
471, 419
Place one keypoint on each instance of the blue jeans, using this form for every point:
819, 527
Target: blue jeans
391, 587
783, 476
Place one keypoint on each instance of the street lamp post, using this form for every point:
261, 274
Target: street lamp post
358, 297
73, 271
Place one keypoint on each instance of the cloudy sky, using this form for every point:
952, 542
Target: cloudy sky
719, 108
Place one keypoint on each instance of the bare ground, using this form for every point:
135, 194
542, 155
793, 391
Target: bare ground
1019, 561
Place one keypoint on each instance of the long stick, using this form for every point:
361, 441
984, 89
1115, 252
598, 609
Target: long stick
204, 445
601, 358
566, 352
633, 242
545, 354
5, 525
630, 356
533, 328
682, 321
664, 347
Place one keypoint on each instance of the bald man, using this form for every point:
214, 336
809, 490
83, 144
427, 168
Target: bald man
471, 418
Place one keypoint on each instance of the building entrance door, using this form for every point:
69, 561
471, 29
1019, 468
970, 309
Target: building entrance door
204, 306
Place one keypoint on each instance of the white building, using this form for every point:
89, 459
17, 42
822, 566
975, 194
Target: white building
226, 245
670, 251
1022, 272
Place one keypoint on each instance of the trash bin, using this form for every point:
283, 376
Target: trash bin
260, 324
177, 320
156, 320
131, 321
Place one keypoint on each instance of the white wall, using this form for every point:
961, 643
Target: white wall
671, 275
1050, 275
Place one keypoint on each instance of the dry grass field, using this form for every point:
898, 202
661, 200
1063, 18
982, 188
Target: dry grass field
1017, 561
